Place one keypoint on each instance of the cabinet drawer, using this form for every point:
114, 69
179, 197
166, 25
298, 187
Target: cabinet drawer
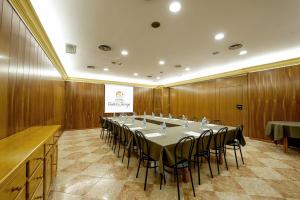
34, 161
14, 184
48, 145
35, 179
38, 194
21, 195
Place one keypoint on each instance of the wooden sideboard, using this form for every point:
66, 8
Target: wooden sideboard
28, 163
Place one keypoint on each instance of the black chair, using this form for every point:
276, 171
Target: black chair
219, 146
203, 150
216, 121
144, 154
126, 136
116, 134
103, 126
235, 144
109, 130
182, 157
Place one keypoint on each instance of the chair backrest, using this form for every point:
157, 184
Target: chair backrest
203, 142
116, 128
220, 137
126, 134
238, 131
109, 125
183, 149
142, 143
216, 121
102, 122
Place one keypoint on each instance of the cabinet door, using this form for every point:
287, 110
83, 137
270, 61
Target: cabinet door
48, 173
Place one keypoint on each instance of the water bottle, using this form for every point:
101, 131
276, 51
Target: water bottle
114, 115
153, 114
186, 124
183, 117
132, 120
161, 115
170, 116
144, 113
144, 123
163, 127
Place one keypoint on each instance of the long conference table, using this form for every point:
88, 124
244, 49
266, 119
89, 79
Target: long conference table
162, 144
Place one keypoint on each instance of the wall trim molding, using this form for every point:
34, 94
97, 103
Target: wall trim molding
28, 15
269, 66
84, 80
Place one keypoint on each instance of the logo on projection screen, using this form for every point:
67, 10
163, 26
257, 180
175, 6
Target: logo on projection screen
118, 98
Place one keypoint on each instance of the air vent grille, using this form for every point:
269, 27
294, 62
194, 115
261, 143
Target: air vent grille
235, 46
70, 48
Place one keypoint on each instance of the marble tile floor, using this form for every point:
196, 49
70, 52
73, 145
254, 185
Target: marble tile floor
89, 170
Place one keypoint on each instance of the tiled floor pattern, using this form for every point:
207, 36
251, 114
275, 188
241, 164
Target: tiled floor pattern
88, 169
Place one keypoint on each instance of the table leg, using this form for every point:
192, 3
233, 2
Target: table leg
285, 144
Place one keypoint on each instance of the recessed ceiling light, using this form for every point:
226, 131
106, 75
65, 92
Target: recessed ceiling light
219, 36
243, 52
124, 52
162, 62
175, 6
158, 78
106, 69
187, 69
135, 74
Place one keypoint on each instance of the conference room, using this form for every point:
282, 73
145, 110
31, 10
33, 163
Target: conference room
149, 99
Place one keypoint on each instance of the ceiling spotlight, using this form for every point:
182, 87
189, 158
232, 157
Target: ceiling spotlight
187, 69
135, 74
243, 52
219, 36
124, 52
106, 69
162, 62
158, 78
175, 6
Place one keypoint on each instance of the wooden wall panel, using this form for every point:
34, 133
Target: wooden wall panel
157, 101
85, 103
143, 100
32, 91
273, 95
202, 99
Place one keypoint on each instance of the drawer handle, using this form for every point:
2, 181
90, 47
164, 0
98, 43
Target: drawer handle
18, 189
39, 197
40, 158
50, 144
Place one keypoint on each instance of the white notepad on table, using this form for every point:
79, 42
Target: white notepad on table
150, 135
128, 124
214, 131
136, 128
196, 134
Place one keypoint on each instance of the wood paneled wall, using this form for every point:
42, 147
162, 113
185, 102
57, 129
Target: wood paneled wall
85, 103
32, 91
273, 95
143, 100
213, 99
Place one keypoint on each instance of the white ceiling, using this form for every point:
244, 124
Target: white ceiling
268, 29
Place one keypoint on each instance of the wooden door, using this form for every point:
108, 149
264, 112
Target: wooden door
231, 101
230, 106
